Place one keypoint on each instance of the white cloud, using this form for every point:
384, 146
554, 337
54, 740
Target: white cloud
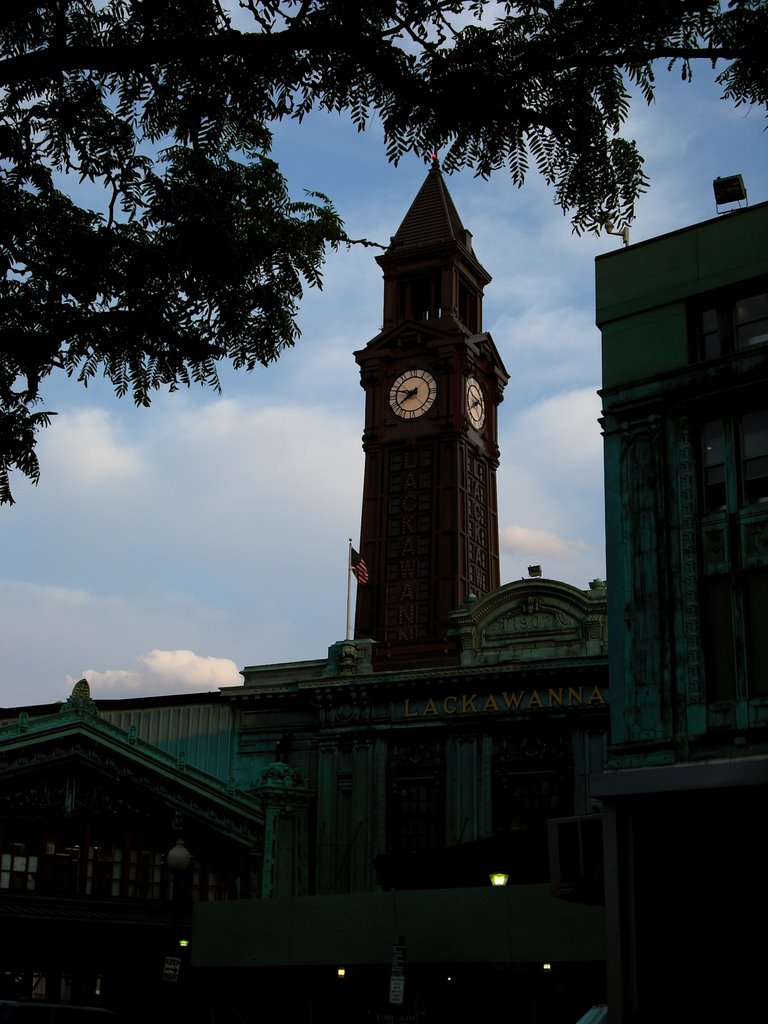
537, 543
118, 679
556, 441
193, 669
51, 633
221, 479
87, 446
551, 489
164, 671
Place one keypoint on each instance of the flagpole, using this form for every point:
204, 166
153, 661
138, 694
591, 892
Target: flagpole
349, 588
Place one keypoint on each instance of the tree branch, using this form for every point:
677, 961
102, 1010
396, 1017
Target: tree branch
107, 59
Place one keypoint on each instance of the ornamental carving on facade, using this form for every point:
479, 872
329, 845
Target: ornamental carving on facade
342, 705
416, 755
279, 775
687, 484
714, 545
528, 749
79, 701
531, 616
757, 539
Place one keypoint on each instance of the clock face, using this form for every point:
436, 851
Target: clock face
413, 393
475, 403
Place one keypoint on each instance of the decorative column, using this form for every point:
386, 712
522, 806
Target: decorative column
363, 797
462, 790
285, 797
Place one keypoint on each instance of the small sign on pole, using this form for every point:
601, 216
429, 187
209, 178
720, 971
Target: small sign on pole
396, 990
397, 977
171, 968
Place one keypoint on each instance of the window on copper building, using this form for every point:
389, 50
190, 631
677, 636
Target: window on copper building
730, 321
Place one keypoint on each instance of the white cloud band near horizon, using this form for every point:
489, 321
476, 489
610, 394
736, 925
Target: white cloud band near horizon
527, 540
180, 671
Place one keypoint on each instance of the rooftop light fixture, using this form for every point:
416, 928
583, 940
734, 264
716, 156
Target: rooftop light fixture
729, 190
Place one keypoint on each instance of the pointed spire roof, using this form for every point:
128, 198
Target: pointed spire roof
432, 217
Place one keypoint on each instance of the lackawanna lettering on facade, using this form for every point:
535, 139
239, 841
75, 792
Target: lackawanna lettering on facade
517, 700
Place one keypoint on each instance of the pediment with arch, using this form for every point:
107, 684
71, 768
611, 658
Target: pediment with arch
533, 619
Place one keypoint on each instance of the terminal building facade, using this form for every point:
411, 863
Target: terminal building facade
321, 837
345, 814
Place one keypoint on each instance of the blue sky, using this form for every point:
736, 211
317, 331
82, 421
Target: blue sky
165, 549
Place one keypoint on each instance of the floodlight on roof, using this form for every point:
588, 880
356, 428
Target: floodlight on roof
730, 189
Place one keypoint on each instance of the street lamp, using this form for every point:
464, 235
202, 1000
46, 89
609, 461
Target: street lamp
498, 878
179, 857
177, 861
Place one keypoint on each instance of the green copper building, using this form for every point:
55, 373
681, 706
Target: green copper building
684, 322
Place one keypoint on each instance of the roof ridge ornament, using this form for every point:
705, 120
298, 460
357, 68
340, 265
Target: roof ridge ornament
80, 701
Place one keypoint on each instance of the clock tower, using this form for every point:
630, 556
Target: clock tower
433, 381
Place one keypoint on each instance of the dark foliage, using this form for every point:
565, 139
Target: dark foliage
202, 254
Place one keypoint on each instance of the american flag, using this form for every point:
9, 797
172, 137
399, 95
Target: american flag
358, 566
